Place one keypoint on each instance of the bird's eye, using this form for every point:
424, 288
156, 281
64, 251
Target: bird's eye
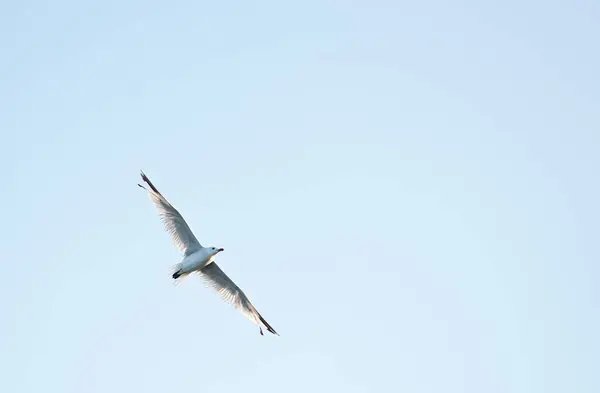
213, 248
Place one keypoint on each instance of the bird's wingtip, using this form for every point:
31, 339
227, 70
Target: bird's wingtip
266, 324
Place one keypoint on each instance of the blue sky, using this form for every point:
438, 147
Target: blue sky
407, 191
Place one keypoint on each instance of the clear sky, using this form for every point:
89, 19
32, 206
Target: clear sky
407, 191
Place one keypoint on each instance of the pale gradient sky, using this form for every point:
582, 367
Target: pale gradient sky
407, 191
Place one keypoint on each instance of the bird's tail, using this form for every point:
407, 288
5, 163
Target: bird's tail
177, 275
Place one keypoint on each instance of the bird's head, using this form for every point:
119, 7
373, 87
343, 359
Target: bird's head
215, 250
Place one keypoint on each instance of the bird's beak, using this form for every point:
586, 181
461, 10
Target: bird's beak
221, 249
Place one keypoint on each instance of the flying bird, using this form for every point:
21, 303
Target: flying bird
200, 260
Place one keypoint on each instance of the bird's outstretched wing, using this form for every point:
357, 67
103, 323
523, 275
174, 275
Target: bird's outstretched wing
174, 223
231, 293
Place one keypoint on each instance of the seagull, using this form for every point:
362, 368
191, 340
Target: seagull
200, 260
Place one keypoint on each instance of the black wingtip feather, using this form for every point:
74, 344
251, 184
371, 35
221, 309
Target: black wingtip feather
269, 328
148, 182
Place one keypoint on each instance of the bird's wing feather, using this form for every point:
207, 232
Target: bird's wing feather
182, 235
231, 293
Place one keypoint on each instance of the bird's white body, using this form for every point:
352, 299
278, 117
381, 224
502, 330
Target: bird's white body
195, 261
